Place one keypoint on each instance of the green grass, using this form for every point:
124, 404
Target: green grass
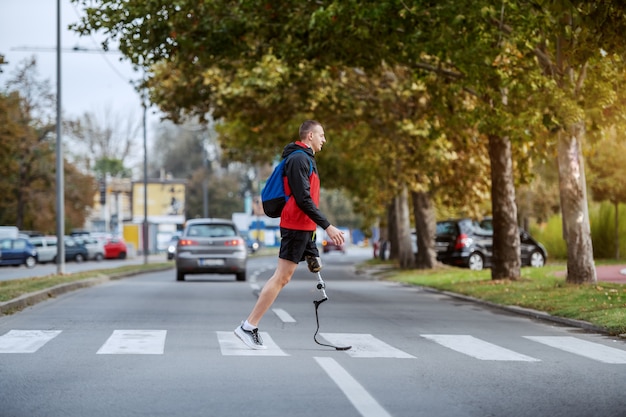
544, 289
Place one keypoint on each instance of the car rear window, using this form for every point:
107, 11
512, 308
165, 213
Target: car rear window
446, 228
211, 230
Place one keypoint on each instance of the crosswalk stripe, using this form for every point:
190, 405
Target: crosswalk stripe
358, 396
283, 315
138, 342
477, 348
230, 345
591, 350
365, 345
26, 341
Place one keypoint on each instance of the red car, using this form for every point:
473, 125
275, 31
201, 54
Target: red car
328, 246
115, 248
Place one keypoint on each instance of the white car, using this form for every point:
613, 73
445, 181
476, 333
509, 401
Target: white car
46, 247
95, 247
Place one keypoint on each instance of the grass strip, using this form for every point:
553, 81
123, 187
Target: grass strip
602, 304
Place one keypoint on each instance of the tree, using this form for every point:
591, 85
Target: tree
486, 50
27, 153
104, 143
575, 39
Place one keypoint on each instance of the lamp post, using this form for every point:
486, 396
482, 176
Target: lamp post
146, 245
60, 197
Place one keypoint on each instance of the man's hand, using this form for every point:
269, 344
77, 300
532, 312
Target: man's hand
335, 235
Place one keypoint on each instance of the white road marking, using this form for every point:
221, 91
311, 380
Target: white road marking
364, 345
595, 351
230, 345
138, 342
283, 315
365, 404
477, 348
255, 287
26, 341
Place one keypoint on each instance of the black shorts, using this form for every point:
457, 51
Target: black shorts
296, 244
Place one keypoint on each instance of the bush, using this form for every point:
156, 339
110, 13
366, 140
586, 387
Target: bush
550, 234
601, 219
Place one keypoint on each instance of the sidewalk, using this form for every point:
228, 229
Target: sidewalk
611, 273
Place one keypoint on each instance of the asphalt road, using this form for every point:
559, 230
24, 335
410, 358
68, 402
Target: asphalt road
41, 270
151, 346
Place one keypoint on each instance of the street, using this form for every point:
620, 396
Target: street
151, 346
42, 270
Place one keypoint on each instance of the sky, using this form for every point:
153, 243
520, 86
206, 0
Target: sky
90, 81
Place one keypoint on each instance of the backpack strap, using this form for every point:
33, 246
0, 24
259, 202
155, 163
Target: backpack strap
308, 157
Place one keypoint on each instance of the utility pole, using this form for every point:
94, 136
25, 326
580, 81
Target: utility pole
59, 162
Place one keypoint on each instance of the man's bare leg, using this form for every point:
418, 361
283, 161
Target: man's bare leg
271, 289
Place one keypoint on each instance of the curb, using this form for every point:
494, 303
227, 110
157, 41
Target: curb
377, 273
30, 299
536, 314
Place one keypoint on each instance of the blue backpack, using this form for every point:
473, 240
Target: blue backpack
273, 195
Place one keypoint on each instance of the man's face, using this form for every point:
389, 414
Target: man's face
317, 138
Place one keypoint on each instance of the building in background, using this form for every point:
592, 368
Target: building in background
166, 212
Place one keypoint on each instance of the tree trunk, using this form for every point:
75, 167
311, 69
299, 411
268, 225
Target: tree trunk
572, 187
403, 228
506, 239
425, 228
392, 230
617, 230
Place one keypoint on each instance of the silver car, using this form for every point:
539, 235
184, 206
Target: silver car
95, 247
211, 246
46, 247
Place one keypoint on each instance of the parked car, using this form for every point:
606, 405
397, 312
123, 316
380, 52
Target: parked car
74, 251
463, 242
46, 247
329, 246
171, 247
17, 252
95, 247
211, 246
115, 248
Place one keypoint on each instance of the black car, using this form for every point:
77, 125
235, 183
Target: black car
464, 243
74, 251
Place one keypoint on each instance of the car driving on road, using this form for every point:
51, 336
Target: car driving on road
211, 246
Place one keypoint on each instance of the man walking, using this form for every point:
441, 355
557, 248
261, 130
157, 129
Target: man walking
298, 222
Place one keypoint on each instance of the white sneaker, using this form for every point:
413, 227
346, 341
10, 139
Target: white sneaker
251, 338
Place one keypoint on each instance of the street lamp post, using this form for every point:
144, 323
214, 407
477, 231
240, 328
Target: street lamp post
146, 245
60, 197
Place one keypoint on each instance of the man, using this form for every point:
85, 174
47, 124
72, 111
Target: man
298, 223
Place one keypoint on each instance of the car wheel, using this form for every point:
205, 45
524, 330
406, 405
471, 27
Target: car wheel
180, 276
476, 262
30, 262
99, 257
241, 276
79, 258
122, 255
537, 259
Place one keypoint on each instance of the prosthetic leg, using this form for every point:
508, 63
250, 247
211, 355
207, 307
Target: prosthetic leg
322, 287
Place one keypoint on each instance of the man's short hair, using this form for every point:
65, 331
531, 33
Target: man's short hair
306, 127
